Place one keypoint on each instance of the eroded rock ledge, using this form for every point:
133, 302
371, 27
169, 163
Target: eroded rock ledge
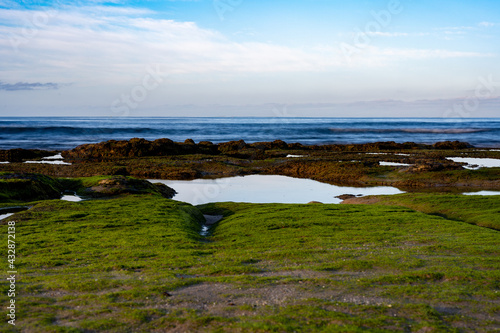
136, 147
410, 165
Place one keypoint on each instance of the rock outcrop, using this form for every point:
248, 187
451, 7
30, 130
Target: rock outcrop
19, 155
117, 185
28, 187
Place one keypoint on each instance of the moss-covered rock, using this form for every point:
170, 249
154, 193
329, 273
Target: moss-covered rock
117, 185
28, 187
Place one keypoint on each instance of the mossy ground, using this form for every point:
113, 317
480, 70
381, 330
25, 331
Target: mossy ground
19, 187
15, 187
138, 264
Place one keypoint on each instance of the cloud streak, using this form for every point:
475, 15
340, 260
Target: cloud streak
29, 86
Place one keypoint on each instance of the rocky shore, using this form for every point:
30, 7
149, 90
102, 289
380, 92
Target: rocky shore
404, 165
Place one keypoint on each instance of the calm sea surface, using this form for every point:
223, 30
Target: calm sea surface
65, 133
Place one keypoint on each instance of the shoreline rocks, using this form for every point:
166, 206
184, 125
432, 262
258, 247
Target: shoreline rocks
117, 185
344, 165
19, 154
111, 150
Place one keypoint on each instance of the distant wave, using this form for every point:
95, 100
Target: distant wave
68, 133
446, 130
412, 130
78, 130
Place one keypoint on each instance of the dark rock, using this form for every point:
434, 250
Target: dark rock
28, 187
345, 196
232, 146
120, 171
117, 185
18, 155
451, 145
277, 144
296, 146
431, 165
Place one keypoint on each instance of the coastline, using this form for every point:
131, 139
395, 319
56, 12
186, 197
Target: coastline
407, 166
155, 263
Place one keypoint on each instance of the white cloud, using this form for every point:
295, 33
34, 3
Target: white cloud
113, 44
397, 34
487, 24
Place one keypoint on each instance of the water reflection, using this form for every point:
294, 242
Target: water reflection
265, 189
477, 163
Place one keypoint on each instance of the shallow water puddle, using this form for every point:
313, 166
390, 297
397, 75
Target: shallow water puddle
477, 163
483, 193
4, 216
265, 189
58, 162
393, 164
55, 157
72, 198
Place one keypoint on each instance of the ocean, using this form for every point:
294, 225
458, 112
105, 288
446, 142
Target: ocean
59, 133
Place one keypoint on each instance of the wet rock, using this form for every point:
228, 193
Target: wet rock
277, 144
120, 171
28, 187
117, 185
165, 190
433, 166
208, 148
452, 145
232, 146
19, 155
345, 196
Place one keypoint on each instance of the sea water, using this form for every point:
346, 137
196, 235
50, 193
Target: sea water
58, 133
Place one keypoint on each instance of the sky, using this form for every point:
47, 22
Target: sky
238, 58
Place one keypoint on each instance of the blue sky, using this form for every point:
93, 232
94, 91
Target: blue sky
250, 58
